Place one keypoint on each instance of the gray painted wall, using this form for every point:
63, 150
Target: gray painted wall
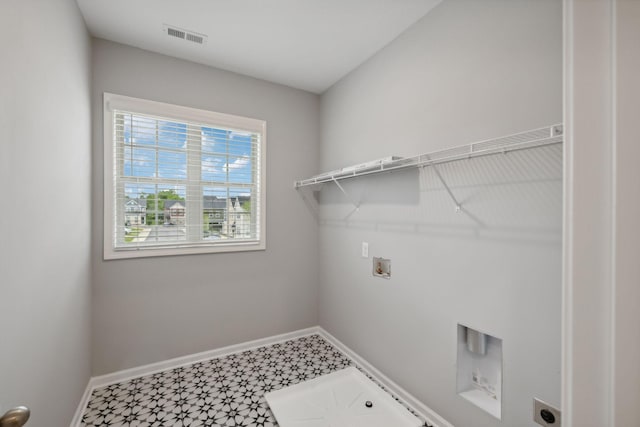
45, 170
148, 310
466, 72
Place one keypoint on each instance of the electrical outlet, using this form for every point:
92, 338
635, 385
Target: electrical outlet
545, 414
365, 250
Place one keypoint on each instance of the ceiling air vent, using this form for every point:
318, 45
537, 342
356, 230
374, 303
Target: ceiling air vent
175, 33
188, 35
195, 38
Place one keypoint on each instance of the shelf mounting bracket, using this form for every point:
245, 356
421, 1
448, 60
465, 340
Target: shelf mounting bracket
355, 205
310, 201
446, 187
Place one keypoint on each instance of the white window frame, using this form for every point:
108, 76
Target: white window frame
114, 102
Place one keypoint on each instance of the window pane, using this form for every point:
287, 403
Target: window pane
143, 130
169, 207
134, 206
172, 135
214, 213
153, 213
240, 143
227, 156
172, 164
239, 169
240, 219
139, 162
214, 140
213, 168
227, 213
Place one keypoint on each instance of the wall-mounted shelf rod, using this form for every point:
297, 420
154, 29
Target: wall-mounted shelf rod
520, 141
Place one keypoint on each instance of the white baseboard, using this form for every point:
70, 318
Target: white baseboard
177, 362
77, 417
128, 374
420, 408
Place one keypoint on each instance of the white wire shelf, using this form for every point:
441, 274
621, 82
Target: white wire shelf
530, 139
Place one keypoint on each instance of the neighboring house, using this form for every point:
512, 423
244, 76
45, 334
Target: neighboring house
224, 216
214, 212
135, 212
238, 223
174, 212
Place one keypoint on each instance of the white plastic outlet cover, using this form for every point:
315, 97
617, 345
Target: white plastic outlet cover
339, 399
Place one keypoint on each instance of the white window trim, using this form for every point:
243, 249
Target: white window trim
116, 102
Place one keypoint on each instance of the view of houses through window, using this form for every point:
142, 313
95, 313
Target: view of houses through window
164, 217
183, 182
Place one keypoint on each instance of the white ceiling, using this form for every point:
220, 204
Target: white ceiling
306, 44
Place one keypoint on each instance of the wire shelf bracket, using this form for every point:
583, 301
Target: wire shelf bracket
446, 187
356, 206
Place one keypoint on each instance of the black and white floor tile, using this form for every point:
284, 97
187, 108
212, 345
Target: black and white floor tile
225, 391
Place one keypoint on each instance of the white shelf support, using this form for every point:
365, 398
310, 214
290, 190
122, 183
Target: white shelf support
310, 201
355, 205
446, 187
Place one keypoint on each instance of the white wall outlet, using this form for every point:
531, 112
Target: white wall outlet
545, 414
365, 250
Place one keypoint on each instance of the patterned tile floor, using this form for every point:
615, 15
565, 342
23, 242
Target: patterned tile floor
225, 391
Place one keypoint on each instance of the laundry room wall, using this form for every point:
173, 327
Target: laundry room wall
466, 72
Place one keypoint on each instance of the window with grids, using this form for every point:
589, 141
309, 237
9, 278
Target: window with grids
180, 180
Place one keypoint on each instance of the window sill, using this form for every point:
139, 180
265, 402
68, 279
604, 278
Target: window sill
114, 254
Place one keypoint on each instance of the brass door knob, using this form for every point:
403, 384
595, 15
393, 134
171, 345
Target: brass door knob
15, 417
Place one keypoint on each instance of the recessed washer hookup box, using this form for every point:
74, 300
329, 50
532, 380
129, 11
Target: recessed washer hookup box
343, 398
